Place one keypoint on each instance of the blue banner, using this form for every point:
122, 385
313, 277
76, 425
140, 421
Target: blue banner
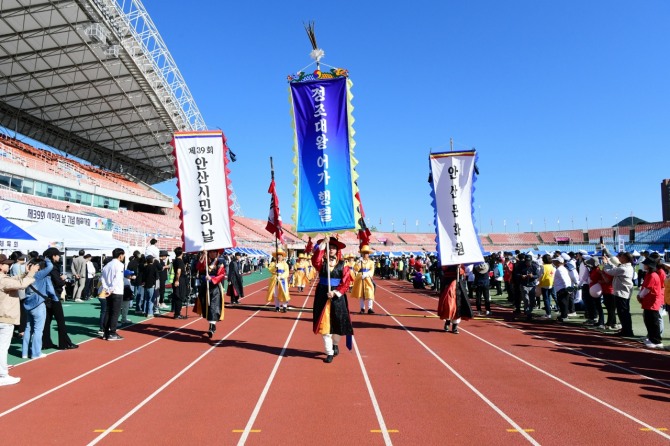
324, 189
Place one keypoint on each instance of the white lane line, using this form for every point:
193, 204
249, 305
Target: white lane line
574, 350
565, 383
576, 389
373, 398
83, 375
266, 389
490, 403
164, 386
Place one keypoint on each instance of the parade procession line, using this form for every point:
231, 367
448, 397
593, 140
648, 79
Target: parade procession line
614, 391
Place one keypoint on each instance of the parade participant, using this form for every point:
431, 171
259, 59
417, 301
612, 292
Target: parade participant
453, 305
235, 284
312, 273
300, 273
278, 286
10, 312
212, 272
331, 309
364, 287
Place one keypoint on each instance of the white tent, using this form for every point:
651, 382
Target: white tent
72, 239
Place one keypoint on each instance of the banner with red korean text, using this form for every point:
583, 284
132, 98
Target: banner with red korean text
453, 180
203, 190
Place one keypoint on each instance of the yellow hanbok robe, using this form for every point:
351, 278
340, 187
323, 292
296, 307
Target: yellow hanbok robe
279, 281
300, 274
364, 271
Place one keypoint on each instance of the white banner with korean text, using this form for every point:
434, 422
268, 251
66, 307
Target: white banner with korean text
203, 190
452, 180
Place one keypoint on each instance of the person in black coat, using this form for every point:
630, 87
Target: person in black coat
56, 310
235, 283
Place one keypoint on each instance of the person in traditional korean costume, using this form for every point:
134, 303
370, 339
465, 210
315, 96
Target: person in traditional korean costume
453, 304
278, 286
331, 309
364, 287
300, 273
212, 272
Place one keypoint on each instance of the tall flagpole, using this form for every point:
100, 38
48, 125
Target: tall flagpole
272, 178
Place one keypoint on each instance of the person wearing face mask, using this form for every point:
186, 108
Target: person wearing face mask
331, 309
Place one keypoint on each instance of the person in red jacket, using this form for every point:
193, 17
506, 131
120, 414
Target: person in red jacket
651, 299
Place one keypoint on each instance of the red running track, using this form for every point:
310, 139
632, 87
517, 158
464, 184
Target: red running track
261, 380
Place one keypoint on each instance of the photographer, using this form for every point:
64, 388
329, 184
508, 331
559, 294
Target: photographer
38, 296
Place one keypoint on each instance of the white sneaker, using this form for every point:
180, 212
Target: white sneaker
572, 314
649, 344
78, 300
545, 316
9, 380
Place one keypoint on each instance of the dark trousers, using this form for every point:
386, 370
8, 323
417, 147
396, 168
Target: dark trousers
588, 304
498, 286
597, 310
87, 288
517, 296
178, 297
623, 310
571, 302
56, 312
564, 297
483, 290
610, 305
113, 311
652, 320
161, 291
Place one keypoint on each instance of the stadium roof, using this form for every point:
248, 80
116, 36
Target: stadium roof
94, 79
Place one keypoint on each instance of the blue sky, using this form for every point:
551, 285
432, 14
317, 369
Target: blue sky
566, 102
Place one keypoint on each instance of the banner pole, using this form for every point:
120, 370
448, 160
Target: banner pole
272, 177
328, 260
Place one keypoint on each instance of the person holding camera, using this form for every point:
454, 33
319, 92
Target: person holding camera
10, 312
38, 296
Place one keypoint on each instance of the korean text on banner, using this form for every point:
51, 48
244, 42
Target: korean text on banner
324, 183
453, 176
202, 181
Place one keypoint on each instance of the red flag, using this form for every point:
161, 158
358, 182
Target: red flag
363, 232
274, 219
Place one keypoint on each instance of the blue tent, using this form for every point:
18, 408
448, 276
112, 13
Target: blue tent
9, 231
